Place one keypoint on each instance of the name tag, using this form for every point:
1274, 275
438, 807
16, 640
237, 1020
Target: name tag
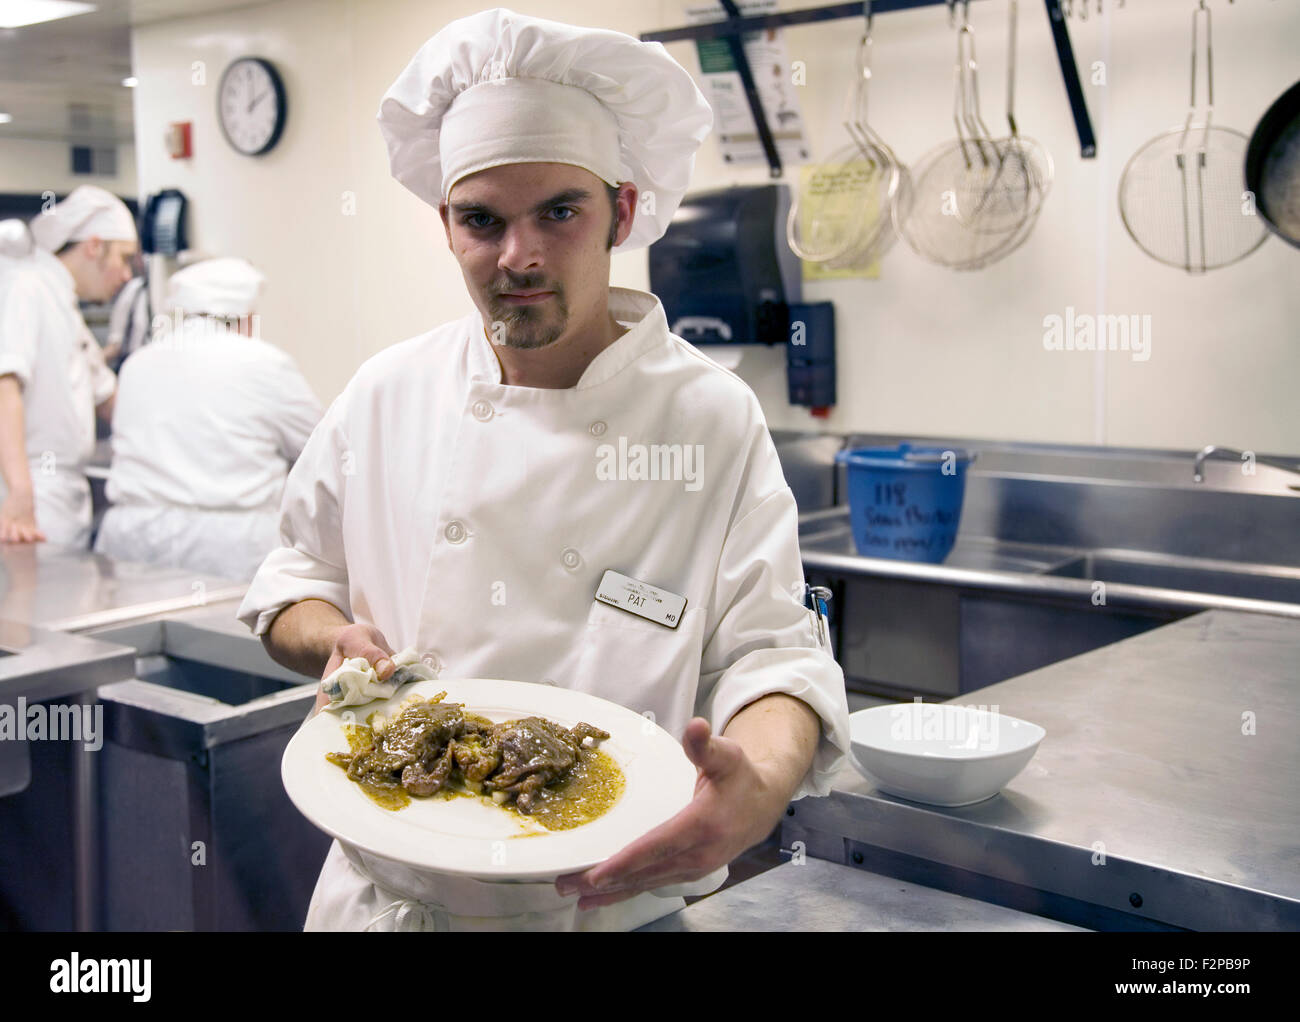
642, 599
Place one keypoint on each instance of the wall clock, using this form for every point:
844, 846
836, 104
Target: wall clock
251, 105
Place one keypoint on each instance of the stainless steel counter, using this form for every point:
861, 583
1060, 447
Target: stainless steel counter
39, 664
54, 676
1164, 794
820, 895
70, 591
191, 758
191, 718
49, 791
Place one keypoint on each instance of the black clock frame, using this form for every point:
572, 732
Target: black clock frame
281, 104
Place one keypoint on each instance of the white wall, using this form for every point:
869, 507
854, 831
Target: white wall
929, 351
922, 350
34, 165
282, 211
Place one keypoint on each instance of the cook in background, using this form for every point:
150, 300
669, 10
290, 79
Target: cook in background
209, 419
130, 319
452, 497
53, 379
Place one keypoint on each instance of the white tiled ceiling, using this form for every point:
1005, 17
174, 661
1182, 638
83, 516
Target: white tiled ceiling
62, 80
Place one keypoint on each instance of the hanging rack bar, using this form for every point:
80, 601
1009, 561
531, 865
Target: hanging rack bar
780, 19
1070, 75
751, 91
734, 27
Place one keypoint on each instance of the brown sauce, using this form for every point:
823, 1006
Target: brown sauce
589, 790
360, 739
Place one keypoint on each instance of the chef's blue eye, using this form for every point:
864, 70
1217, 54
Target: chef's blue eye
472, 216
565, 209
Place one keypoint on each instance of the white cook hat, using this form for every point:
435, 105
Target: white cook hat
215, 287
87, 212
499, 87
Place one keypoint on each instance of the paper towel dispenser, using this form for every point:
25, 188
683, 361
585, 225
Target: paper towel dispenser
723, 270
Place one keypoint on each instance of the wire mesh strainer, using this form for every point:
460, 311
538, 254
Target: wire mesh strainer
843, 212
1182, 196
1024, 168
878, 234
966, 211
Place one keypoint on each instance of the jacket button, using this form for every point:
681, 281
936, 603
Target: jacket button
571, 559
598, 428
455, 532
482, 410
432, 660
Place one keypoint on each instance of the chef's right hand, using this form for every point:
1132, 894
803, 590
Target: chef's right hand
18, 519
357, 640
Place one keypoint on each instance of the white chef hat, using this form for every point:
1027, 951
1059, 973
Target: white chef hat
215, 287
87, 212
499, 87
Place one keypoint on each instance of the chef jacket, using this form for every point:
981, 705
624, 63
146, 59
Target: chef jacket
46, 344
474, 520
205, 427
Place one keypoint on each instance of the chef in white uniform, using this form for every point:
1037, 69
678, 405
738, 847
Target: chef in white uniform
129, 321
53, 379
470, 487
208, 421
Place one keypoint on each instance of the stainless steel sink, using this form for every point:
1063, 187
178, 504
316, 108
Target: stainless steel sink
1040, 526
1128, 465
999, 607
1158, 579
828, 533
1143, 469
229, 686
1257, 582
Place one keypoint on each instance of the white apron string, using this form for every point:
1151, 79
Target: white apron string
411, 916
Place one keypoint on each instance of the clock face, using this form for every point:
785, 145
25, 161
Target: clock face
251, 105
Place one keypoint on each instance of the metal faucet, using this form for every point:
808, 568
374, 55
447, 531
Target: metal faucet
1212, 449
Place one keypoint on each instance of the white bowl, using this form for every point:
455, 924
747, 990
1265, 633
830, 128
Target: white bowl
941, 754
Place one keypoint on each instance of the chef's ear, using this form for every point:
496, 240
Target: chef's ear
627, 195
95, 249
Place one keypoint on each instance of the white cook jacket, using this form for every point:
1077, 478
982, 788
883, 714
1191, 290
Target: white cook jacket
205, 427
469, 519
46, 344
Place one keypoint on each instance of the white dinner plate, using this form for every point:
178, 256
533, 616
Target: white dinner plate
469, 836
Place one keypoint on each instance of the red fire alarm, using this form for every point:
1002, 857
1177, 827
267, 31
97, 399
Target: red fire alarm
178, 140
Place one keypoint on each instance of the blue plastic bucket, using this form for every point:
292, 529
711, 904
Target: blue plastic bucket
905, 502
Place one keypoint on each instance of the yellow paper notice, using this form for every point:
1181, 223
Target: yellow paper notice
838, 201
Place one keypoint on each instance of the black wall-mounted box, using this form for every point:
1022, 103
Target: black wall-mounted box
723, 270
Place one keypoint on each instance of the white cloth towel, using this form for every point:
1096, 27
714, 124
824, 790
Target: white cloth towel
355, 681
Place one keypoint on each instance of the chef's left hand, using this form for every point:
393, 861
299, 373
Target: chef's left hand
735, 806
